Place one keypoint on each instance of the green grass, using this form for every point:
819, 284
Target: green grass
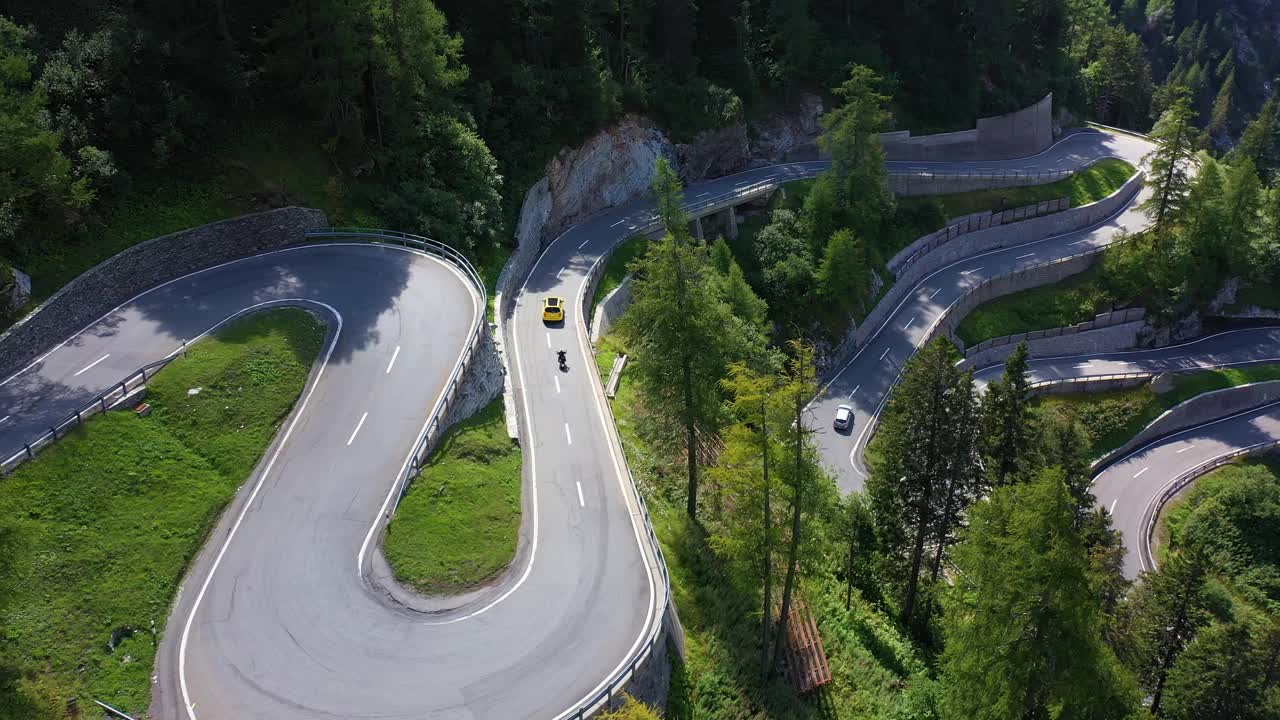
458, 524
267, 163
1114, 418
1073, 300
1090, 185
871, 660
98, 530
616, 268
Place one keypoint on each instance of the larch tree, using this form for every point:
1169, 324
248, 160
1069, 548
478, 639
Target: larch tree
1169, 165
1008, 426
844, 275
1218, 677
1022, 631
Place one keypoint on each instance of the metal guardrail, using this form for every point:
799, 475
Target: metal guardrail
1175, 486
100, 403
974, 222
455, 257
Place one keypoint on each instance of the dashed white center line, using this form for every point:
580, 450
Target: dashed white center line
1079, 242
559, 273
1112, 509
850, 394
6, 417
1177, 453
1175, 359
886, 352
618, 223
95, 362
548, 340
1139, 473
557, 379
392, 364
581, 502
357, 430
1021, 257
935, 292
970, 272
1085, 365
584, 243
567, 435
904, 327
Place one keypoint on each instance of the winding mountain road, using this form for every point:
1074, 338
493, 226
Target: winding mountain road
278, 617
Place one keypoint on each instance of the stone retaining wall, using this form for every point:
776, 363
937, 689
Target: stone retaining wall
1107, 332
610, 308
965, 224
1197, 411
135, 270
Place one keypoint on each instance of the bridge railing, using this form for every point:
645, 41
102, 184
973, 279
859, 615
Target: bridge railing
435, 426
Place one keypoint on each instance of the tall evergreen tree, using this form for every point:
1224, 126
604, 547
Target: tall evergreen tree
844, 275
1169, 165
1218, 677
1260, 140
1022, 632
1166, 611
1009, 427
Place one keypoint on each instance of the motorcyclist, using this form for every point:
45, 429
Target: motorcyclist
561, 357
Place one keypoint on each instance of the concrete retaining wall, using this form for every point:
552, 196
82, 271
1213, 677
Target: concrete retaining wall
1107, 332
1197, 411
985, 240
1088, 385
908, 184
135, 270
1013, 135
610, 308
965, 224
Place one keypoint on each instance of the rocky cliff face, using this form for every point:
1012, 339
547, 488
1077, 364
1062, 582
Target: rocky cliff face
615, 166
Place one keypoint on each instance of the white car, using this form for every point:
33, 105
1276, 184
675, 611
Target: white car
844, 417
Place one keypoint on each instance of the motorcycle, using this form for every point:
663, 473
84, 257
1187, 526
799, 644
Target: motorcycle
564, 364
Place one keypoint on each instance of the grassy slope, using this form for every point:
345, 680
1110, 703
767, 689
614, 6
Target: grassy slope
1113, 418
98, 530
459, 522
870, 659
1073, 300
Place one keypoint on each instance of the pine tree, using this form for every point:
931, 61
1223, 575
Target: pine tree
668, 194
844, 275
1259, 140
1169, 166
1166, 610
1222, 105
1023, 633
1009, 427
1218, 677
913, 454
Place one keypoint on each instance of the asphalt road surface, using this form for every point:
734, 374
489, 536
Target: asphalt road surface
277, 618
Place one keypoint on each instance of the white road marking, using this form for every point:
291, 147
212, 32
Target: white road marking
95, 362
904, 327
6, 417
850, 394
584, 243
559, 273
1020, 257
548, 341
1112, 509
1177, 453
581, 502
1139, 473
886, 352
357, 430
970, 272
1085, 365
392, 364
618, 223
935, 292
1079, 242
567, 435
1175, 359
557, 379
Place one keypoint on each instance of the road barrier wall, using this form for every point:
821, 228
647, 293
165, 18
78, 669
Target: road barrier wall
142, 267
965, 224
610, 308
1096, 384
1013, 135
1106, 332
1198, 411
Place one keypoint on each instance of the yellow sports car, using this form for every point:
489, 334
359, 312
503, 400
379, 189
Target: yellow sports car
553, 309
